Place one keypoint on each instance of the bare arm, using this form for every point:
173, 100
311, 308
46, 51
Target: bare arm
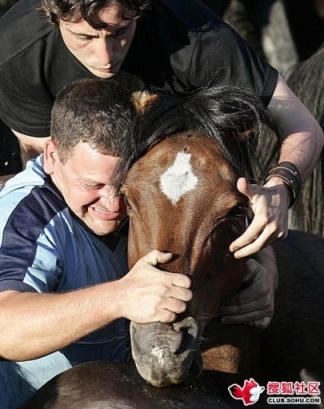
30, 146
33, 325
303, 137
302, 144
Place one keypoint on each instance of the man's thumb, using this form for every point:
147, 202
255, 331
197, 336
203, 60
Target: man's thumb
156, 257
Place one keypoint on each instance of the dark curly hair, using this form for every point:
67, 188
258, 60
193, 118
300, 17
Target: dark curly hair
75, 10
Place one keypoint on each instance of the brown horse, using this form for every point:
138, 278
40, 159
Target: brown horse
182, 197
180, 187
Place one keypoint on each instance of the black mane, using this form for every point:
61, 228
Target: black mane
230, 116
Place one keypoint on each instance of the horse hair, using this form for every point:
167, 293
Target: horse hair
231, 116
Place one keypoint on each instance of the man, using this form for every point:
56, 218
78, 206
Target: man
61, 216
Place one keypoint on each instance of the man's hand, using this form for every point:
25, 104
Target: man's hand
152, 294
269, 204
254, 304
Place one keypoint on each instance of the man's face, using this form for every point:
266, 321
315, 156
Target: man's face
103, 51
84, 181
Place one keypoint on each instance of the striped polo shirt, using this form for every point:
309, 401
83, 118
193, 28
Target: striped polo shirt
43, 248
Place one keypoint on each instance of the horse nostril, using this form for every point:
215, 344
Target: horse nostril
188, 328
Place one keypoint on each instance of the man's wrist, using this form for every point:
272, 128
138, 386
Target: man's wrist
290, 175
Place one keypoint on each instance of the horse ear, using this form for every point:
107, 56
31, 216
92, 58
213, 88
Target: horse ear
142, 100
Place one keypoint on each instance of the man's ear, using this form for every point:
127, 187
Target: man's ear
50, 156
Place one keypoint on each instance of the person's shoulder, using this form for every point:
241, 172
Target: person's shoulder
27, 191
190, 14
25, 180
21, 27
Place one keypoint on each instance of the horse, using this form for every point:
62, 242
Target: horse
180, 188
187, 165
190, 150
184, 185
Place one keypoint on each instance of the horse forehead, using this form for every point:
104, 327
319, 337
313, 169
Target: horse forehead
179, 178
181, 150
180, 166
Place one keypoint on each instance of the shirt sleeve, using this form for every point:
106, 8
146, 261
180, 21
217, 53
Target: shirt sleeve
204, 50
32, 235
223, 57
28, 265
25, 103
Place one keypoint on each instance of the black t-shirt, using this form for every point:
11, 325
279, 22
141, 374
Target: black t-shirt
178, 45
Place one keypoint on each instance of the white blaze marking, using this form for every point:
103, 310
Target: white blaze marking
179, 178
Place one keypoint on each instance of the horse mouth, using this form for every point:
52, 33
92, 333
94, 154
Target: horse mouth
166, 354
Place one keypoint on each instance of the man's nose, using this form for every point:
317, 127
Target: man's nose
111, 199
104, 51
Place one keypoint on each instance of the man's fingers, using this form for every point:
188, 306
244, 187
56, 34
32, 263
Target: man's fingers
181, 293
251, 319
175, 305
171, 308
254, 240
167, 316
156, 257
244, 188
262, 323
247, 308
180, 280
252, 269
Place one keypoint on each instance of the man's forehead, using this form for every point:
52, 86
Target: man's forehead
117, 15
91, 172
113, 17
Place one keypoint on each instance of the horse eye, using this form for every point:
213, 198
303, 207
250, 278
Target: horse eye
236, 211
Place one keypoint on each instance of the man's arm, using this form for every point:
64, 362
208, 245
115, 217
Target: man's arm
33, 324
254, 304
30, 146
303, 137
302, 145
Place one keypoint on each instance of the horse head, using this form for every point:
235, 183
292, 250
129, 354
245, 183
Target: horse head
180, 189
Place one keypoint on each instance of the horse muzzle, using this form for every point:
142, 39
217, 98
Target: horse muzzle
166, 354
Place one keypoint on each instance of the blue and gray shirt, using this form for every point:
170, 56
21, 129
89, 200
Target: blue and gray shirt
43, 248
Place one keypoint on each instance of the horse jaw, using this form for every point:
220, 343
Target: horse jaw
166, 354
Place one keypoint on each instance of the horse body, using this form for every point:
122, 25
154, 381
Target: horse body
117, 385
